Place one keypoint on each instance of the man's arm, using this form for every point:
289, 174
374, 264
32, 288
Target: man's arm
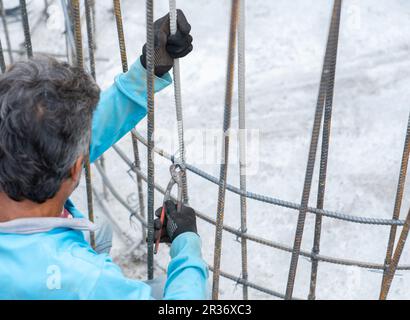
121, 107
124, 104
187, 276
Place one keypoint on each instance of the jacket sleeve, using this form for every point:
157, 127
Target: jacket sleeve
111, 284
187, 275
121, 107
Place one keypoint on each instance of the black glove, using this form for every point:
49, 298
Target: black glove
175, 222
167, 47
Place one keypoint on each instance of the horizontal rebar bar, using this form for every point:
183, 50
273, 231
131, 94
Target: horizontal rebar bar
275, 201
238, 233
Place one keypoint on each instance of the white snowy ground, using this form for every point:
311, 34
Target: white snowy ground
285, 47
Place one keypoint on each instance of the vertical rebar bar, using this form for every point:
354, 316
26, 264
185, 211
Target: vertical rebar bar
124, 62
90, 37
225, 146
396, 214
6, 31
26, 28
331, 51
69, 37
80, 63
94, 22
150, 63
391, 270
329, 92
2, 62
178, 104
242, 141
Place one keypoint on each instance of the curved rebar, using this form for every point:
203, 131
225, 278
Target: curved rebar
225, 148
256, 239
275, 201
75, 5
330, 84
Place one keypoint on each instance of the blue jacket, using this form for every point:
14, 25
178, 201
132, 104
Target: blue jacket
48, 258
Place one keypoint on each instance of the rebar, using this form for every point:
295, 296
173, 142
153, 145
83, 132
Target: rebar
2, 62
80, 63
242, 142
278, 202
90, 37
6, 31
254, 238
225, 147
178, 104
150, 63
26, 28
330, 84
396, 214
124, 63
330, 48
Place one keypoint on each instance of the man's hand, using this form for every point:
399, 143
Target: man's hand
175, 222
169, 47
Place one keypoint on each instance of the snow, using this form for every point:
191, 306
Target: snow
285, 47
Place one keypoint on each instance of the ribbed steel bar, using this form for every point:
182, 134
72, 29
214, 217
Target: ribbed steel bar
396, 214
150, 63
252, 285
124, 62
256, 239
26, 28
94, 21
69, 36
6, 31
178, 103
90, 37
275, 201
80, 63
225, 148
2, 62
242, 142
330, 84
330, 48
89, 16
391, 270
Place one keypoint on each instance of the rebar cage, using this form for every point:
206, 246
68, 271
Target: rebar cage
145, 213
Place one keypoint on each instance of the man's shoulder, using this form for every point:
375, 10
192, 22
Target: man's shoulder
61, 263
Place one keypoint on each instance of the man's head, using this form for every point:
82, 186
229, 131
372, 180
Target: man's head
46, 109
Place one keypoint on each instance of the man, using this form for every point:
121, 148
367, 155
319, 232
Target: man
48, 112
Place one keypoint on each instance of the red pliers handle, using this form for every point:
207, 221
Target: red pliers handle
176, 178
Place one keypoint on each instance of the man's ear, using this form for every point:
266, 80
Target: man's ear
76, 169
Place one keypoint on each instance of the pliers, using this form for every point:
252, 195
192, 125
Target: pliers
176, 178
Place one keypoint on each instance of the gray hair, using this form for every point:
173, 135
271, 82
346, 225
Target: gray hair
46, 111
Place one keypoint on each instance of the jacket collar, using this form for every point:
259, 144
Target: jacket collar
38, 225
